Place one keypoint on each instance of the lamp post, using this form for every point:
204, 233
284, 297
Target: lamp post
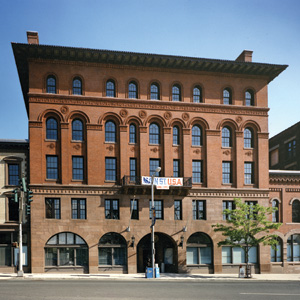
152, 227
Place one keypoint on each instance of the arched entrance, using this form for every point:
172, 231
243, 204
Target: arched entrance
165, 253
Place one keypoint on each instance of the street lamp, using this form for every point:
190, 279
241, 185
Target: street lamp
152, 226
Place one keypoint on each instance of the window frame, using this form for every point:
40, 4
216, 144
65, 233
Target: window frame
296, 211
77, 86
227, 96
50, 86
154, 95
77, 132
199, 206
226, 137
197, 135
248, 138
54, 210
249, 98
133, 169
197, 170
134, 209
78, 167
154, 163
112, 209
51, 130
197, 98
109, 91
176, 168
227, 204
154, 135
110, 131
78, 209
227, 176
176, 136
55, 166
249, 178
111, 161
132, 93
291, 247
275, 214
177, 209
176, 93
159, 209
132, 134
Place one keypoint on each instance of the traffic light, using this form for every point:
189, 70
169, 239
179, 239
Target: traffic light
24, 185
16, 195
28, 209
29, 196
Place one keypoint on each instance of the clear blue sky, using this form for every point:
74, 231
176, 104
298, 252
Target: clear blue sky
219, 29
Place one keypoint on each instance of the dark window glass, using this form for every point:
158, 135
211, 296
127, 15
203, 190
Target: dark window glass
226, 172
158, 206
226, 137
51, 85
291, 149
293, 248
51, 129
78, 209
176, 140
249, 172
110, 132
111, 168
52, 208
132, 134
154, 92
227, 96
154, 164
176, 168
199, 209
110, 89
197, 171
252, 213
13, 174
275, 214
196, 136
296, 211
154, 134
197, 97
112, 209
77, 130
132, 90
248, 138
134, 209
52, 166
133, 170
78, 168
228, 205
77, 86
176, 93
177, 210
249, 98
13, 210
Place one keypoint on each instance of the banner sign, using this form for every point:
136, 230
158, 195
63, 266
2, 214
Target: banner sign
163, 182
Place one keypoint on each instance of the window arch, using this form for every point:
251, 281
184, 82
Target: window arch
199, 249
197, 94
249, 98
132, 134
275, 213
226, 137
51, 84
293, 248
176, 135
110, 131
66, 249
112, 250
110, 88
51, 129
296, 211
154, 134
77, 130
132, 90
176, 93
196, 136
77, 86
154, 91
248, 138
227, 96
276, 254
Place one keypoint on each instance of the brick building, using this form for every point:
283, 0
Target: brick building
99, 120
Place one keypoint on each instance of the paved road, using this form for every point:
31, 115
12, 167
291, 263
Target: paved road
146, 289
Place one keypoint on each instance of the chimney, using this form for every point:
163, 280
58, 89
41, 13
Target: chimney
245, 56
33, 37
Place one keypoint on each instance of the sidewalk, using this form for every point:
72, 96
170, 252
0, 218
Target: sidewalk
140, 276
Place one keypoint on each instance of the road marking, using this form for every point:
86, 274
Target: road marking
270, 294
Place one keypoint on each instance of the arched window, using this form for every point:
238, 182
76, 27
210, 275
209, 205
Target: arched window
227, 97
110, 132
249, 98
66, 249
276, 254
77, 86
197, 94
154, 91
154, 134
112, 250
176, 93
248, 138
196, 136
51, 85
110, 88
293, 248
275, 213
132, 90
176, 137
296, 211
199, 249
132, 134
226, 137
77, 130
51, 129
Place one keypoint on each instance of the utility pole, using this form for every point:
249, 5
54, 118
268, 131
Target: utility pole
21, 202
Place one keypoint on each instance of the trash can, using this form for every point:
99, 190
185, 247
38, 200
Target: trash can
149, 272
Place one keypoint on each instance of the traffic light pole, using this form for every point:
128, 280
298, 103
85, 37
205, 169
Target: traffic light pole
21, 204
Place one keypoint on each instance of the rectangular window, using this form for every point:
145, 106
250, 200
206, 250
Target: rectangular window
227, 205
134, 209
159, 209
291, 149
177, 210
226, 172
133, 171
176, 170
199, 209
78, 209
13, 209
154, 164
52, 166
236, 255
111, 168
77, 167
251, 206
52, 208
13, 174
197, 171
112, 209
249, 172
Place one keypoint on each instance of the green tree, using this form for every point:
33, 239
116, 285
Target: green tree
247, 226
